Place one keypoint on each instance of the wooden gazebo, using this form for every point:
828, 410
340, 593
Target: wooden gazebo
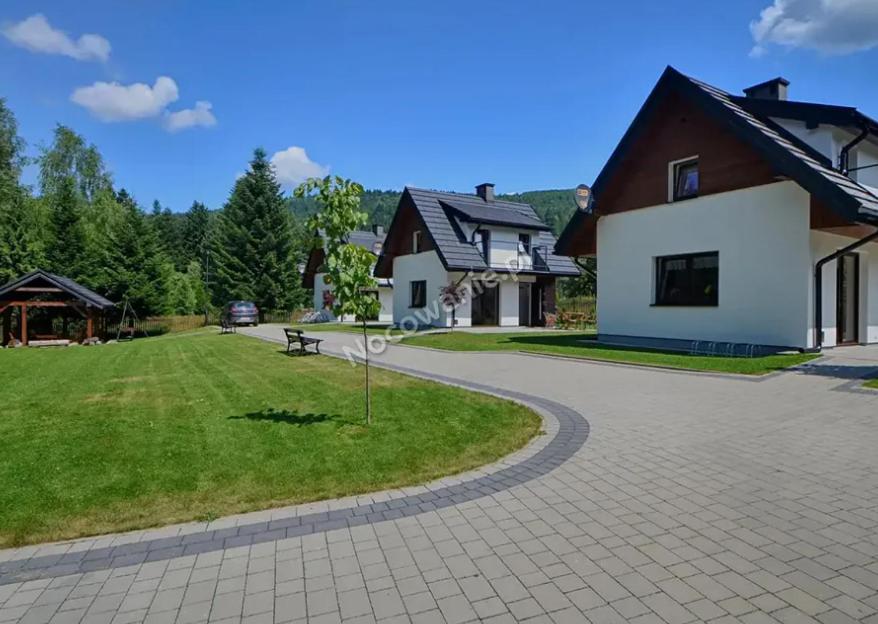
43, 290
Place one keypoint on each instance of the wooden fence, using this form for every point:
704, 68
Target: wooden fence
158, 325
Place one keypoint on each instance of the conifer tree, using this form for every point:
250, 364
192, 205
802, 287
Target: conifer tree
254, 247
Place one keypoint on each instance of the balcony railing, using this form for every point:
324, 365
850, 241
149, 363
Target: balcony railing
512, 256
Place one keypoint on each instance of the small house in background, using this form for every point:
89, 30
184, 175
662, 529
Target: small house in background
313, 277
49, 309
500, 253
745, 219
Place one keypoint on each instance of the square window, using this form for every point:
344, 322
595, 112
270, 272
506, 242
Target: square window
418, 294
686, 179
687, 280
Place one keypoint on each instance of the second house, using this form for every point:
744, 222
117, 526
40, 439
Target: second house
498, 252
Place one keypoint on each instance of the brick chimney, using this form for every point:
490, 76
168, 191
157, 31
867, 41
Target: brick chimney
775, 89
485, 190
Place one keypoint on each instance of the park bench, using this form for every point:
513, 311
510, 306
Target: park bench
227, 328
295, 337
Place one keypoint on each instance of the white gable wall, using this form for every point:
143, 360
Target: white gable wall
413, 267
762, 236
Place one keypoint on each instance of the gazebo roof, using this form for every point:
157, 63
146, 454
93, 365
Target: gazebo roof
67, 285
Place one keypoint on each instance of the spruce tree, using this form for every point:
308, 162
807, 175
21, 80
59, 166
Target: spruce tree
21, 248
195, 236
66, 249
254, 248
136, 268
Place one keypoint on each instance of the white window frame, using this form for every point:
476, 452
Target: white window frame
415, 246
672, 168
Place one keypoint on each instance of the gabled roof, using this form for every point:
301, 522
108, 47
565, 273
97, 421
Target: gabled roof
789, 155
442, 214
74, 289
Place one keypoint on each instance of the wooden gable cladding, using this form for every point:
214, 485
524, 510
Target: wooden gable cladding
406, 222
585, 239
678, 129
827, 220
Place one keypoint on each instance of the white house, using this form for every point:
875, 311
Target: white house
498, 252
743, 220
313, 276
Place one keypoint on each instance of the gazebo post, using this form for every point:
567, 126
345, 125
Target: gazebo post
7, 325
24, 324
89, 324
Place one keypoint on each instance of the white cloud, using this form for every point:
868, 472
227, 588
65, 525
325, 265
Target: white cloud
201, 115
111, 101
293, 166
828, 26
37, 35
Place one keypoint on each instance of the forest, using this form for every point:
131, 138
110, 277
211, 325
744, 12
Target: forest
77, 221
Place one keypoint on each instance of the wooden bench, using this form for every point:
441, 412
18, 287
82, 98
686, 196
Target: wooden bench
227, 328
295, 336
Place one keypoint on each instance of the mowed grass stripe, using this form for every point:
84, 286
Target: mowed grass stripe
199, 425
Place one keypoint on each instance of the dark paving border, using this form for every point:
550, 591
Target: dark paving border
573, 431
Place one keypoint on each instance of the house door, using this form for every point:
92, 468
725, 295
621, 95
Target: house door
485, 304
848, 299
524, 304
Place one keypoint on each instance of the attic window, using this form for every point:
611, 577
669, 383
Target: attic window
685, 179
417, 241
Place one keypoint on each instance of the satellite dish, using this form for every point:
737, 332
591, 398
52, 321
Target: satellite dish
584, 198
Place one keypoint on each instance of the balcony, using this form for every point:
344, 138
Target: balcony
513, 256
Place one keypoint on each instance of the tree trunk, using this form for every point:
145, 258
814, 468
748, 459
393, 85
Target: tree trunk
368, 396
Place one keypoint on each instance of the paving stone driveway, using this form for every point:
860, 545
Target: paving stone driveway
694, 498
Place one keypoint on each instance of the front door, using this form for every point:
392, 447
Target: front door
524, 304
485, 304
848, 299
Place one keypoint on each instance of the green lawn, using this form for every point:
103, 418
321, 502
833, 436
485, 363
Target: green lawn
872, 384
198, 425
579, 345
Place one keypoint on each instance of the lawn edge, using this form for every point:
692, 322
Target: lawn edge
637, 365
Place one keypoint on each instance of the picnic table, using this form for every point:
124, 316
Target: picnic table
296, 337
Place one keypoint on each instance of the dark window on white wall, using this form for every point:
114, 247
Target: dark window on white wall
686, 179
524, 244
419, 294
687, 280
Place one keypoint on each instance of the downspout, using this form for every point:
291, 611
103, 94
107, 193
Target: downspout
844, 155
818, 287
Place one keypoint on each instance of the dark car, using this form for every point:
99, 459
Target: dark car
241, 313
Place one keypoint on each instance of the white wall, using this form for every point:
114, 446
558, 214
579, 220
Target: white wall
385, 297
319, 287
762, 236
413, 267
829, 141
509, 303
822, 245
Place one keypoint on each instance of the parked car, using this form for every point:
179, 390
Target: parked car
241, 313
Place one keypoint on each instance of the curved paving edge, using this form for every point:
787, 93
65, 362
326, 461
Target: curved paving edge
572, 433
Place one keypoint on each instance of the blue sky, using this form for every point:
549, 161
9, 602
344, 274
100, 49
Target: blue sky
440, 94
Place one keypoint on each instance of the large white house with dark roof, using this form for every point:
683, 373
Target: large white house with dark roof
500, 253
725, 222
